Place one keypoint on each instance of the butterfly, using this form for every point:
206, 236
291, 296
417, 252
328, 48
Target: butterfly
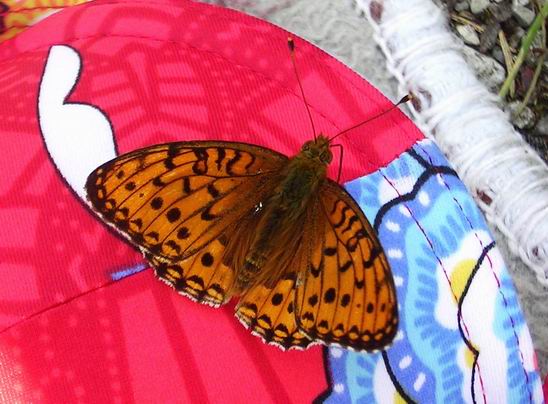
218, 220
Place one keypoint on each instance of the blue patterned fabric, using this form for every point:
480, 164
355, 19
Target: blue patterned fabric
462, 335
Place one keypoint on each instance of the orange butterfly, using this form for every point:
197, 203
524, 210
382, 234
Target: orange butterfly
222, 219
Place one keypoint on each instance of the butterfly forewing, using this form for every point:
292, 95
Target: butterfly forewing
347, 295
171, 200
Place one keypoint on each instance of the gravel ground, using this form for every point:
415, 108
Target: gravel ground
493, 30
335, 27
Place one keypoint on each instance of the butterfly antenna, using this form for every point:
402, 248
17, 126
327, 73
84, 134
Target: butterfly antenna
405, 99
291, 45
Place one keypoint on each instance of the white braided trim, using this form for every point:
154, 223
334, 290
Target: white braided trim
463, 116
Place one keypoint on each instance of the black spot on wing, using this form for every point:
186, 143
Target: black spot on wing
352, 244
316, 271
173, 215
200, 165
156, 203
197, 280
352, 220
183, 233
186, 186
232, 161
172, 244
334, 207
207, 215
290, 308
158, 182
266, 319
277, 299
122, 225
248, 165
343, 217
282, 328
375, 252
330, 251
221, 154
173, 150
308, 316
211, 190
329, 296
251, 306
207, 260
217, 288
343, 268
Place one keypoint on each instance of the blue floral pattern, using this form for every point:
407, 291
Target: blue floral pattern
462, 336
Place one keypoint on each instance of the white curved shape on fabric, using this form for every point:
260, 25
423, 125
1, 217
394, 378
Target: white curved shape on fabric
78, 136
458, 111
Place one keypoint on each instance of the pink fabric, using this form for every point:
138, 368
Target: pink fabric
161, 71
545, 389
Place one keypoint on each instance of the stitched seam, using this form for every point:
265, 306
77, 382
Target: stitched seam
431, 245
505, 301
59, 304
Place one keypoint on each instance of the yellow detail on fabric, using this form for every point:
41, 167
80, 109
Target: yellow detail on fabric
460, 276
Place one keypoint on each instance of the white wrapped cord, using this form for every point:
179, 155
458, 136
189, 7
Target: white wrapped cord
507, 178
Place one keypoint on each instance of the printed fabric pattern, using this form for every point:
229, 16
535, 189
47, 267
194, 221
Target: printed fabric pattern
462, 335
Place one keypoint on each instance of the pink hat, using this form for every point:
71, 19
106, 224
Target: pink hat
82, 318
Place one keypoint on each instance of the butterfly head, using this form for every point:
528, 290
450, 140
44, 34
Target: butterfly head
318, 149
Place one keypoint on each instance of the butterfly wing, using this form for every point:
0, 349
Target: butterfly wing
203, 277
270, 314
268, 310
177, 201
347, 295
171, 200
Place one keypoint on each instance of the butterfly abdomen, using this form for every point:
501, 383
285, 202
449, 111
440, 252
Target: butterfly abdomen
281, 223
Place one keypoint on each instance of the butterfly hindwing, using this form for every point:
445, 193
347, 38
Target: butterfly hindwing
347, 295
203, 277
270, 314
269, 310
171, 200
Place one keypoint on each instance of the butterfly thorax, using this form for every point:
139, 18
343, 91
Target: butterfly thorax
284, 210
303, 176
